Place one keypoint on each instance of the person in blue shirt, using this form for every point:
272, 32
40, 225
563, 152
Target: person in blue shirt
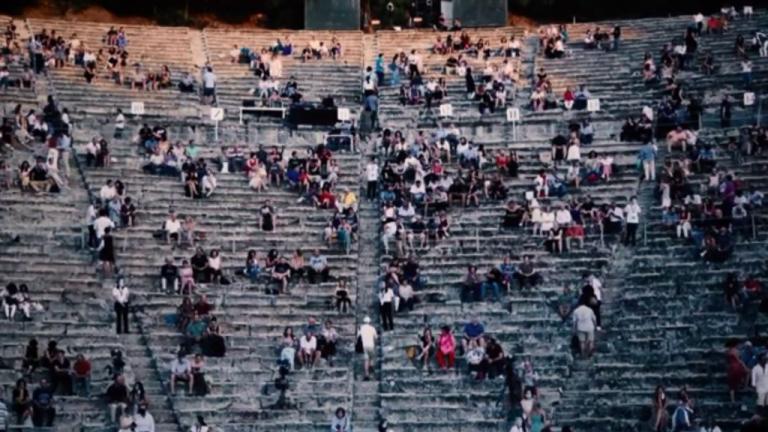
379, 68
473, 333
647, 157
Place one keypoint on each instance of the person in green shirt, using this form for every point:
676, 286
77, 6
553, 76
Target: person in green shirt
192, 150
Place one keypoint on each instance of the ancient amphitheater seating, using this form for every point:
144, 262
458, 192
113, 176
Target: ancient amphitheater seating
665, 319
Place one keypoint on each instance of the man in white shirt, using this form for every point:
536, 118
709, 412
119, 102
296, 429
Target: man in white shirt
308, 353
172, 229
372, 177
584, 324
698, 20
119, 124
632, 211
101, 223
209, 85
388, 232
368, 336
234, 54
760, 381
563, 217
107, 192
597, 289
181, 370
143, 420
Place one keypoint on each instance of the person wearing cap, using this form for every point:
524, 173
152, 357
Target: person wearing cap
368, 336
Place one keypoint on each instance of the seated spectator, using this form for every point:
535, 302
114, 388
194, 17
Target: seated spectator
446, 349
31, 358
281, 274
252, 266
21, 403
341, 297
143, 420
169, 276
526, 275
340, 422
172, 229
117, 397
181, 370
318, 266
43, 411
326, 341
308, 352
474, 332
81, 376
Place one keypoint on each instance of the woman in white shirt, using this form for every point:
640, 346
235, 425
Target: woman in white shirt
214, 266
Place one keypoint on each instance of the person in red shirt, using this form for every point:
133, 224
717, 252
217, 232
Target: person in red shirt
202, 306
81, 376
326, 199
502, 159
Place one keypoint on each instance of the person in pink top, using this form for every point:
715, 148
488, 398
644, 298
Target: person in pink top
446, 349
186, 275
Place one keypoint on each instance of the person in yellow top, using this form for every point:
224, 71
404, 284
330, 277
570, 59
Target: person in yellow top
348, 200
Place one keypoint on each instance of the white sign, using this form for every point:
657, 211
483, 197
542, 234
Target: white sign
749, 98
446, 110
343, 114
513, 114
217, 114
593, 105
137, 108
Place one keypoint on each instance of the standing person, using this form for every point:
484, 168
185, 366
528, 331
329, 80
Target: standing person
584, 323
64, 146
372, 177
659, 413
268, 221
119, 124
632, 212
737, 371
386, 305
107, 252
122, 296
760, 381
725, 112
647, 156
368, 336
209, 85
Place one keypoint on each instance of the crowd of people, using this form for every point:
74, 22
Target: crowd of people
424, 176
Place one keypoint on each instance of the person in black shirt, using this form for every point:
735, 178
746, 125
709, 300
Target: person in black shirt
169, 275
418, 231
61, 378
281, 273
38, 177
117, 397
495, 359
43, 412
199, 263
